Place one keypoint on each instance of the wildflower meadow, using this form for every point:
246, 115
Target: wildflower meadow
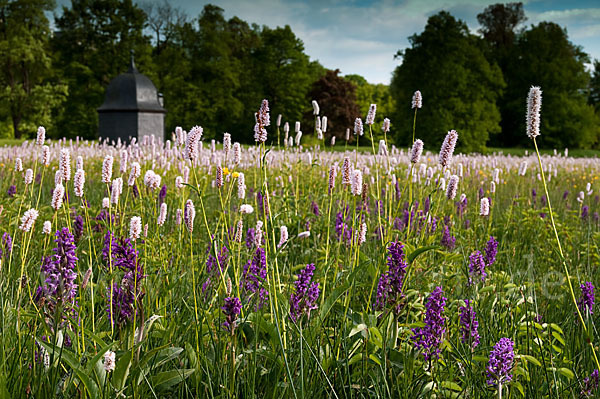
191, 268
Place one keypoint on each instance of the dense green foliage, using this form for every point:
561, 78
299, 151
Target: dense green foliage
543, 56
28, 92
459, 86
480, 96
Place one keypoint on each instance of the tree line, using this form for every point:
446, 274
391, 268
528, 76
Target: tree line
215, 71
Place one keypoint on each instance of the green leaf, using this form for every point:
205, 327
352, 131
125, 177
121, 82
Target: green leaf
357, 329
532, 360
519, 388
557, 328
121, 371
558, 337
374, 358
566, 372
413, 255
331, 300
165, 380
451, 385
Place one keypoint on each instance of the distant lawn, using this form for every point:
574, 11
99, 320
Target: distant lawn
367, 148
10, 142
521, 151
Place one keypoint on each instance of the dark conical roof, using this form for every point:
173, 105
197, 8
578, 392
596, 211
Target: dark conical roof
131, 91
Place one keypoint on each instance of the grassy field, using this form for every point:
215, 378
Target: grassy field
154, 279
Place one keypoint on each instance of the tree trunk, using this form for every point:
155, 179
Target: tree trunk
16, 121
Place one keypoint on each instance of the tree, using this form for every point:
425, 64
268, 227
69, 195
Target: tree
498, 26
92, 46
285, 72
459, 86
367, 94
27, 92
543, 56
594, 98
336, 97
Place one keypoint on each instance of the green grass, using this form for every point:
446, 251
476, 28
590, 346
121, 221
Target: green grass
345, 345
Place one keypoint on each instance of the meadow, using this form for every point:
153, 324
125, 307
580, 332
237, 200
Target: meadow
202, 269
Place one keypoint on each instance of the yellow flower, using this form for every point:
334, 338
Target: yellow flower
225, 171
235, 175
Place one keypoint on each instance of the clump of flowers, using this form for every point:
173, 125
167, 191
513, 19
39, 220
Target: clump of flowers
586, 301
214, 267
501, 362
590, 384
253, 278
469, 325
231, 310
59, 289
448, 240
6, 247
342, 228
429, 338
389, 288
476, 267
491, 250
124, 295
304, 299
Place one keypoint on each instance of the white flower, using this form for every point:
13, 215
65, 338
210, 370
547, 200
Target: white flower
534, 106
135, 228
315, 107
28, 179
304, 234
484, 207
58, 196
107, 166
246, 209
28, 220
41, 135
109, 361
283, 236
417, 100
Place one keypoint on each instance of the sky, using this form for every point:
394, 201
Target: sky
362, 36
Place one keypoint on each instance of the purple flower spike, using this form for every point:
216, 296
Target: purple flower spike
448, 240
253, 278
59, 269
491, 250
231, 310
469, 325
586, 301
389, 288
476, 267
307, 292
429, 338
501, 362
